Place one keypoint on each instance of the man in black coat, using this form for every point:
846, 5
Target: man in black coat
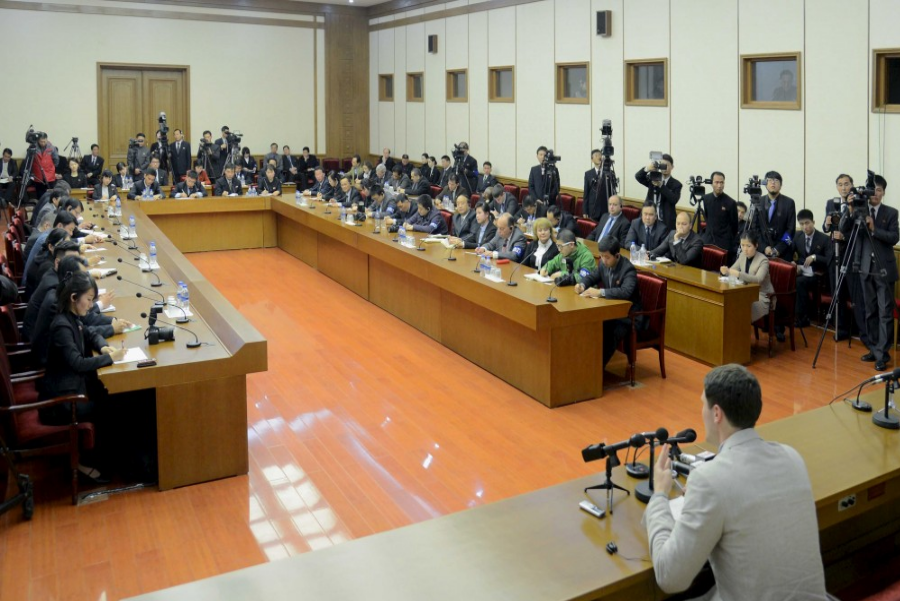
467, 170
8, 171
648, 231
779, 216
721, 215
663, 190
542, 186
561, 220
228, 184
813, 252
179, 156
92, 166
485, 180
596, 191
307, 167
683, 245
878, 271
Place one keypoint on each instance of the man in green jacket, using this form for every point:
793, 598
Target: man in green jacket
573, 258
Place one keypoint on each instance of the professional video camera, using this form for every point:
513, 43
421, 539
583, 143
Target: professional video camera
457, 153
32, 136
204, 144
606, 149
551, 159
753, 188
154, 333
697, 188
234, 138
163, 125
132, 143
656, 159
861, 194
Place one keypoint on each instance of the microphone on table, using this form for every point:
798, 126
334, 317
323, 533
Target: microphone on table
155, 284
162, 298
164, 303
864, 406
689, 435
600, 451
450, 256
550, 297
639, 470
644, 490
195, 344
516, 268
129, 250
421, 242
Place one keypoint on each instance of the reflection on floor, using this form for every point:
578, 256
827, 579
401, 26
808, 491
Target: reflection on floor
362, 424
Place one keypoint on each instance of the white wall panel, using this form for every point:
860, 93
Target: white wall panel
646, 26
400, 70
386, 51
457, 46
535, 91
840, 101
575, 26
884, 130
478, 84
416, 47
503, 140
607, 85
374, 111
435, 91
704, 109
502, 42
321, 122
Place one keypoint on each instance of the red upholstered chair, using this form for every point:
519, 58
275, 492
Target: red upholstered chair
714, 258
435, 190
331, 165
523, 192
579, 207
473, 200
346, 164
653, 300
448, 218
22, 429
19, 224
781, 312
14, 257
512, 189
631, 213
566, 201
585, 227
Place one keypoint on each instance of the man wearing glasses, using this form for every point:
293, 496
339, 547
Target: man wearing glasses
779, 215
139, 156
573, 258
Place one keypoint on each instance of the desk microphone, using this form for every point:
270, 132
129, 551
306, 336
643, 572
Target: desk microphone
195, 344
130, 251
132, 245
155, 284
164, 303
516, 268
421, 241
450, 256
863, 406
550, 297
162, 298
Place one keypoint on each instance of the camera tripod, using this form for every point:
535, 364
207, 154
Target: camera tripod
75, 152
849, 253
699, 214
754, 221
609, 486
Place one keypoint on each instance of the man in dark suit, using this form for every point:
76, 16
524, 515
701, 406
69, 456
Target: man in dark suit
878, 271
427, 219
561, 220
835, 209
721, 215
647, 231
399, 181
290, 167
615, 278
445, 172
307, 165
208, 155
485, 180
663, 190
179, 156
502, 202
542, 186
320, 185
813, 253
779, 216
8, 172
530, 211
418, 186
596, 192
464, 224
451, 191
228, 184
381, 204
405, 208
509, 243
92, 166
482, 227
189, 188
386, 160
147, 182
162, 176
405, 166
614, 223
222, 146
348, 196
683, 246
467, 170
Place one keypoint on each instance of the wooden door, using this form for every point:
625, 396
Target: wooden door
130, 99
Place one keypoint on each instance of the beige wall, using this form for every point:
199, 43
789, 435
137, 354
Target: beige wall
703, 126
256, 78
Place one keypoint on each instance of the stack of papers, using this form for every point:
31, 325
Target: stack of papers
107, 272
176, 313
539, 278
133, 355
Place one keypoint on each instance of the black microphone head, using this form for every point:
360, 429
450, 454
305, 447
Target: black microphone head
637, 441
143, 316
139, 295
662, 435
118, 277
114, 242
120, 259
895, 375
690, 435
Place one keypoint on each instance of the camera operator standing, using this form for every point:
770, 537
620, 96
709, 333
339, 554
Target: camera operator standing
663, 190
721, 216
779, 215
208, 155
595, 192
222, 145
138, 157
542, 184
466, 167
877, 268
43, 170
835, 209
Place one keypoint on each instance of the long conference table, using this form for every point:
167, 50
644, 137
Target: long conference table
201, 394
541, 546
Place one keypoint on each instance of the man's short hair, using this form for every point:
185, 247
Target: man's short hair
498, 190
7, 151
93, 146
774, 175
318, 168
63, 217
405, 156
63, 185
528, 201
47, 218
207, 132
595, 151
668, 157
57, 193
565, 236
608, 244
285, 147
805, 214
649, 205
483, 206
153, 172
741, 205
487, 195
275, 144
425, 201
396, 169
487, 164
715, 173
225, 128
736, 391
140, 134
306, 148
63, 247
880, 181
72, 203
842, 175
416, 172
192, 174
344, 179
376, 190
380, 168
540, 148
453, 178
445, 158
401, 198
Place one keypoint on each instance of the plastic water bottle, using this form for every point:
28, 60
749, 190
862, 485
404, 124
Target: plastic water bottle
132, 231
297, 196
401, 234
153, 262
643, 254
118, 207
633, 252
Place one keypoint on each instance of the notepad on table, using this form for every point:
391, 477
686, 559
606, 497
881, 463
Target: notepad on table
538, 278
133, 355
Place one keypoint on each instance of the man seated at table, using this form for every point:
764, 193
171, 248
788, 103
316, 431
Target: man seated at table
269, 184
530, 211
405, 209
320, 186
574, 258
189, 188
162, 176
399, 181
483, 230
814, 251
613, 223
451, 191
148, 182
381, 205
750, 512
348, 197
684, 246
509, 243
427, 218
648, 231
228, 184
615, 278
561, 220
464, 224
418, 186
503, 201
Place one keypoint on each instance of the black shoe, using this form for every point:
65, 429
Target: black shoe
868, 358
880, 366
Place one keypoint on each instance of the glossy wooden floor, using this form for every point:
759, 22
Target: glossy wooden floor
362, 424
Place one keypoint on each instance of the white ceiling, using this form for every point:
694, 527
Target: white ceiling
348, 3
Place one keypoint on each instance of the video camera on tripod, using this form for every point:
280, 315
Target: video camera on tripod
697, 188
753, 188
606, 148
32, 136
550, 159
859, 196
457, 153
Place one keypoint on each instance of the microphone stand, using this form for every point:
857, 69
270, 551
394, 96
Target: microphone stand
450, 256
155, 284
644, 490
883, 419
421, 241
512, 283
550, 297
611, 462
127, 249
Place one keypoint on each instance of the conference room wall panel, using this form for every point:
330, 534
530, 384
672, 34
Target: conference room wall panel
607, 88
478, 82
374, 124
502, 40
321, 121
436, 91
535, 91
400, 105
55, 81
574, 24
884, 129
709, 116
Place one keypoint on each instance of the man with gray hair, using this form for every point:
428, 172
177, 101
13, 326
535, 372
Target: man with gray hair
509, 243
418, 186
750, 512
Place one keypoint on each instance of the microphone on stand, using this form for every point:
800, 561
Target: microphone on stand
164, 303
863, 406
450, 256
195, 344
162, 300
127, 249
421, 241
550, 297
644, 490
155, 284
516, 268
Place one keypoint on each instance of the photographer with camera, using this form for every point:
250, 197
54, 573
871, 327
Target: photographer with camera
663, 190
835, 209
874, 261
43, 169
721, 216
138, 157
595, 190
466, 167
779, 216
542, 184
208, 153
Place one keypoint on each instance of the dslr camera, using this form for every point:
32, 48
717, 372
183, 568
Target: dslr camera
32, 136
696, 182
659, 164
132, 143
154, 333
606, 149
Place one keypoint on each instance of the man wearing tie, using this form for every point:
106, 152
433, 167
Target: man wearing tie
647, 231
877, 269
813, 253
180, 153
835, 209
780, 216
595, 190
613, 224
465, 227
92, 166
8, 171
289, 166
484, 230
228, 184
542, 188
486, 180
509, 243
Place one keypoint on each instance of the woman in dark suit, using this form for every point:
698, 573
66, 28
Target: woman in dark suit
106, 189
434, 174
119, 177
248, 165
71, 363
75, 178
269, 184
543, 248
